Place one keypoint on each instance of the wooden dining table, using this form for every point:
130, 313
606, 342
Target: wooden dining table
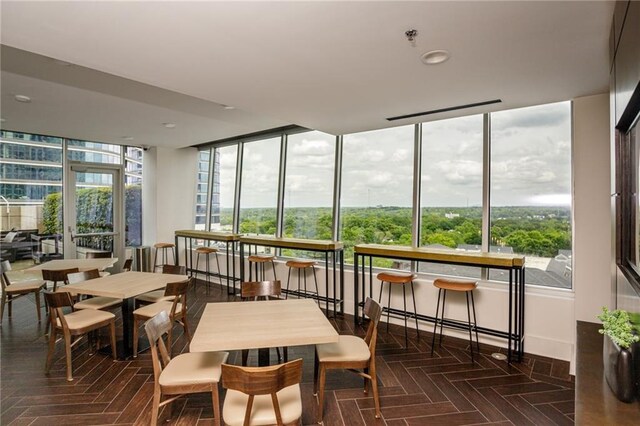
125, 286
81, 264
261, 325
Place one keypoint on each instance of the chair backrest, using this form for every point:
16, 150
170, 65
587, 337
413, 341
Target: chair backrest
157, 327
59, 275
174, 269
264, 289
56, 301
373, 310
4, 267
179, 291
127, 265
262, 381
78, 277
98, 255
9, 237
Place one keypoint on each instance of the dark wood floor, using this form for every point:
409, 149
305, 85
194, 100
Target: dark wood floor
416, 388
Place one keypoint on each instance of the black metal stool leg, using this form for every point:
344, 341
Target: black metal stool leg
475, 322
286, 296
415, 311
155, 260
219, 274
404, 299
444, 299
196, 272
380, 296
435, 323
273, 266
470, 333
388, 306
208, 273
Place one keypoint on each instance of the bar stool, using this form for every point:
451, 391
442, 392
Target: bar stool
401, 278
301, 265
259, 260
207, 251
164, 247
465, 287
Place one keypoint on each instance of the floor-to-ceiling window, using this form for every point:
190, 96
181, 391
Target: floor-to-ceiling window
377, 182
308, 191
223, 191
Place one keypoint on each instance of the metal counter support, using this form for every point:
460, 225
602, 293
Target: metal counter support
513, 263
230, 241
333, 248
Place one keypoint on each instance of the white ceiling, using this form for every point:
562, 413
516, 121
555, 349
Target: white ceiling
339, 67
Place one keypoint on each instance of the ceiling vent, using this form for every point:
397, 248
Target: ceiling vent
436, 111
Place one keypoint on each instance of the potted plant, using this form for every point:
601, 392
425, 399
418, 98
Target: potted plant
620, 352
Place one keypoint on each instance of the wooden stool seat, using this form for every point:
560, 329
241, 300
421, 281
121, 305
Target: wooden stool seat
163, 245
301, 263
261, 258
396, 277
206, 250
455, 285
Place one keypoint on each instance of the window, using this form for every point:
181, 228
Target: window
531, 191
259, 190
377, 185
451, 199
133, 196
202, 186
224, 184
308, 194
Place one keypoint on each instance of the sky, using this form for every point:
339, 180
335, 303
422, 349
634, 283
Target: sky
530, 164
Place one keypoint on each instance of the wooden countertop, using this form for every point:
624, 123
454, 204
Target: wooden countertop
294, 243
124, 285
208, 235
81, 264
440, 255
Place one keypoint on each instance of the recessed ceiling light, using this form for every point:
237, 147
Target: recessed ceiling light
169, 125
228, 107
126, 138
22, 98
435, 57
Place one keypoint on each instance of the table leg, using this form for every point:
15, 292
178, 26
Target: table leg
263, 357
127, 328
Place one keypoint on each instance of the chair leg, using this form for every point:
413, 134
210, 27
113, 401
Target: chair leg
366, 381
67, 348
135, 336
51, 352
157, 394
185, 325
169, 338
112, 334
435, 323
322, 374
215, 397
10, 302
374, 387
315, 373
2, 303
37, 296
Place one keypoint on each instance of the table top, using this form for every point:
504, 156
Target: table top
295, 243
81, 264
123, 285
470, 258
263, 324
208, 235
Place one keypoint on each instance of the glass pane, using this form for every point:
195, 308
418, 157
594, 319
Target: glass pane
308, 196
94, 210
133, 196
31, 184
224, 184
94, 152
452, 190
202, 188
259, 187
531, 191
377, 183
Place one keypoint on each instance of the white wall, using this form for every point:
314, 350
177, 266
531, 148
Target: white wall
168, 196
591, 206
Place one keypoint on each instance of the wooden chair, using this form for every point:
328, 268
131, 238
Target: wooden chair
177, 309
351, 353
261, 290
11, 292
57, 276
158, 295
100, 302
98, 255
127, 265
186, 373
76, 323
262, 395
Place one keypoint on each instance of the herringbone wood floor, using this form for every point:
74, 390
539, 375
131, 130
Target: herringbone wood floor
415, 387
